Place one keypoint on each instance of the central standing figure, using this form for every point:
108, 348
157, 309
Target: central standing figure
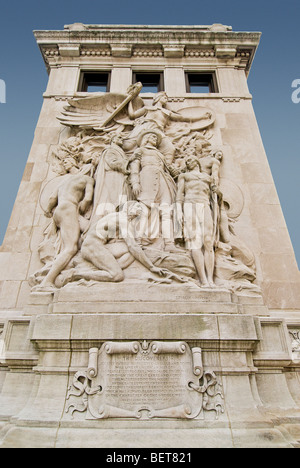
153, 185
195, 190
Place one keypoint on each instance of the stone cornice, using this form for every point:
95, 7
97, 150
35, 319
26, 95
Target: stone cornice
128, 40
147, 34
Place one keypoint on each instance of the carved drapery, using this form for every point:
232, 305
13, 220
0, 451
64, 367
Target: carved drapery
141, 185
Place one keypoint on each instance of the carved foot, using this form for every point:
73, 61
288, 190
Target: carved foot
35, 280
208, 285
66, 277
44, 289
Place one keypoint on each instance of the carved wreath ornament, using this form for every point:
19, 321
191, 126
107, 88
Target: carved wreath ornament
145, 381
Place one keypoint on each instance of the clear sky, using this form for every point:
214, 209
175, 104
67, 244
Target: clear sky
275, 67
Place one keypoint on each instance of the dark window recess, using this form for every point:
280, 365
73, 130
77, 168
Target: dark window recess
94, 82
201, 83
152, 82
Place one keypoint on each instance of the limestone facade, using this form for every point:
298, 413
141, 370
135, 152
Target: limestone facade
233, 339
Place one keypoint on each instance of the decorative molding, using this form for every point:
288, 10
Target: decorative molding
150, 41
51, 51
148, 34
244, 53
152, 51
231, 99
176, 99
199, 52
100, 51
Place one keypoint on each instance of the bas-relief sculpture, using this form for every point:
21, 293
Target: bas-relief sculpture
295, 343
145, 381
141, 184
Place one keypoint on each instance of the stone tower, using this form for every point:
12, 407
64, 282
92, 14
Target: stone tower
149, 290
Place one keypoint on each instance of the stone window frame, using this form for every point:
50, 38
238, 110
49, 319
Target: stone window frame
160, 83
210, 77
83, 82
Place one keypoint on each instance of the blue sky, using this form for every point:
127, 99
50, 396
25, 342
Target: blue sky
275, 67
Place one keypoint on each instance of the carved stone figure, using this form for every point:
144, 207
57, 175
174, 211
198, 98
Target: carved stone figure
73, 197
153, 185
110, 262
231, 272
157, 117
111, 187
163, 161
107, 112
194, 212
209, 163
235, 262
73, 155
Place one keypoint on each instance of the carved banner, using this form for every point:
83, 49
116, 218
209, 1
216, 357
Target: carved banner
148, 380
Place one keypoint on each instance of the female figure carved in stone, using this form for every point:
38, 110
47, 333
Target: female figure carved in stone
153, 185
157, 117
111, 178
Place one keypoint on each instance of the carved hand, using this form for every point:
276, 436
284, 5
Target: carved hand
136, 189
135, 89
174, 171
159, 271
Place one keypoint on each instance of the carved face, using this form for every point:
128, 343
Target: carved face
118, 140
69, 163
192, 162
202, 147
161, 98
190, 152
219, 155
150, 138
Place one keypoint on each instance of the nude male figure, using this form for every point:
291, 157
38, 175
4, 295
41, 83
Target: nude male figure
210, 164
69, 200
118, 225
194, 212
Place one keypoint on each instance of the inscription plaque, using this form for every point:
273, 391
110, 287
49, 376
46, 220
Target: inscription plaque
145, 380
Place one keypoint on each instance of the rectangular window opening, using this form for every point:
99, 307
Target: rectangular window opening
152, 82
201, 83
94, 82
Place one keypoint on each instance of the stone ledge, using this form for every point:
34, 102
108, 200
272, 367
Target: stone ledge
145, 326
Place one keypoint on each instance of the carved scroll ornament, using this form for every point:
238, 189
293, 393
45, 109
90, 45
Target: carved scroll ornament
145, 381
